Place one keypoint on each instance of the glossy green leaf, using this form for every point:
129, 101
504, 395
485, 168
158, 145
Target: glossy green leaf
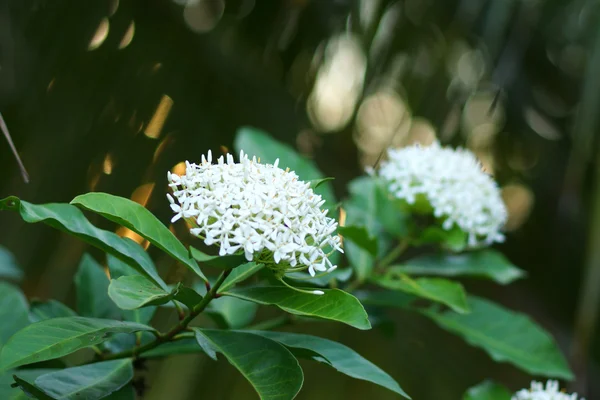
336, 355
54, 338
360, 236
187, 296
489, 264
240, 274
92, 381
30, 390
131, 292
70, 219
8, 266
231, 312
303, 278
41, 310
335, 304
126, 341
134, 216
385, 298
91, 285
205, 344
14, 313
6, 380
118, 269
440, 290
269, 367
487, 390
257, 143
506, 336
224, 262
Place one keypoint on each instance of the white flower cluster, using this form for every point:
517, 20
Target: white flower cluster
538, 392
260, 209
453, 183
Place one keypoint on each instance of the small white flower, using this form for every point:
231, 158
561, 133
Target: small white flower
538, 392
453, 183
258, 209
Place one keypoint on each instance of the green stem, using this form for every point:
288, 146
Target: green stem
177, 329
180, 311
394, 254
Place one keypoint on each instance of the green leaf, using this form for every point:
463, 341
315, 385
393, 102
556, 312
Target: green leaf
70, 219
338, 274
127, 392
390, 211
439, 290
14, 313
224, 262
487, 390
334, 304
359, 236
92, 381
362, 210
91, 284
506, 336
134, 216
6, 380
315, 183
240, 274
257, 143
30, 390
8, 266
230, 312
131, 292
489, 264
54, 338
187, 296
41, 310
269, 367
455, 239
385, 298
118, 269
336, 355
204, 344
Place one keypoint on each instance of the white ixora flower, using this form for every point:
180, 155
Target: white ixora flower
258, 209
538, 392
453, 183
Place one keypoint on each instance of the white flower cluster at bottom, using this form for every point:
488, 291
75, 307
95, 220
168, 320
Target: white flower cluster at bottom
538, 392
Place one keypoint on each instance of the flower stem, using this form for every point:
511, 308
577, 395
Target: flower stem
394, 254
177, 329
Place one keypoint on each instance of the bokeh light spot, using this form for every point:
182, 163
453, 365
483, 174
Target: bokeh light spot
100, 35
203, 15
128, 36
157, 122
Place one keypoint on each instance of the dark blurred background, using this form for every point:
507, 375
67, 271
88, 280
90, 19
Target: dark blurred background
108, 95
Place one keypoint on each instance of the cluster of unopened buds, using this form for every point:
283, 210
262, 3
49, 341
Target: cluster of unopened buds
260, 210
